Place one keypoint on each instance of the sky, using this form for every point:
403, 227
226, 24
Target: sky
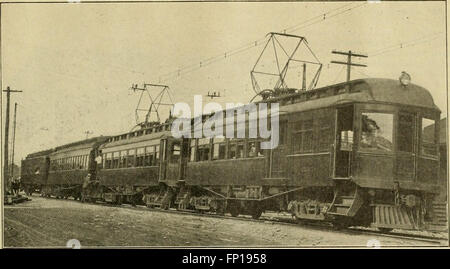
76, 62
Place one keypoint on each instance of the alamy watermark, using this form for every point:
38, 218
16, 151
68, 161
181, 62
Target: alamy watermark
251, 118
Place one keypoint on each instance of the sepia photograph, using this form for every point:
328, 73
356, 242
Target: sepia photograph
141, 124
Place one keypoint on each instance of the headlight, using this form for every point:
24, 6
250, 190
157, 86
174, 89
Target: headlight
405, 78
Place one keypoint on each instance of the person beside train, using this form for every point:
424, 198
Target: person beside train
84, 187
15, 186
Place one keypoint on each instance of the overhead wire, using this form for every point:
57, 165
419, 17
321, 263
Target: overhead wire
401, 45
338, 75
329, 17
202, 63
406, 44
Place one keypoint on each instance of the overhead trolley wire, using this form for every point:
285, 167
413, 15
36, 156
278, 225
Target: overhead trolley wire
202, 63
406, 44
401, 45
338, 75
323, 16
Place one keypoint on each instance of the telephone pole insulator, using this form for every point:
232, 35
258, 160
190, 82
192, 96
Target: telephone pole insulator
213, 95
88, 133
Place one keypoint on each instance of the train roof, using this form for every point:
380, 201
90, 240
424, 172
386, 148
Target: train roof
86, 143
39, 154
141, 139
363, 90
391, 91
370, 90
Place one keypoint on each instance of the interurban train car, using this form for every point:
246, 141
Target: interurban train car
352, 153
64, 168
34, 171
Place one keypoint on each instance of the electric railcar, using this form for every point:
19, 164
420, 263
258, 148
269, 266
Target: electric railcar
353, 153
34, 170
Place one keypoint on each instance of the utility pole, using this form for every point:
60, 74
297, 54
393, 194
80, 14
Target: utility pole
349, 63
304, 78
14, 140
5, 161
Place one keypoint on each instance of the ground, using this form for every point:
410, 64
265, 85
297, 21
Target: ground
51, 223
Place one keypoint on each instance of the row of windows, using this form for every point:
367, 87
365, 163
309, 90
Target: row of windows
144, 156
303, 141
315, 135
378, 131
70, 163
200, 149
159, 128
307, 136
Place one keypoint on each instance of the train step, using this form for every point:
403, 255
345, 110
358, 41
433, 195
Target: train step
340, 209
347, 201
336, 214
342, 205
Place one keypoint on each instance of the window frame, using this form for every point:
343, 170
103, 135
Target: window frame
175, 158
131, 158
201, 148
414, 132
299, 149
149, 156
115, 160
393, 135
321, 130
231, 144
157, 155
435, 138
255, 142
108, 157
216, 152
193, 150
140, 155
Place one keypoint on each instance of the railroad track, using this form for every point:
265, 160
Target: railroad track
424, 238
285, 221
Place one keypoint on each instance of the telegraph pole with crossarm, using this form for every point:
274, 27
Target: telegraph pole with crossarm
349, 63
5, 161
